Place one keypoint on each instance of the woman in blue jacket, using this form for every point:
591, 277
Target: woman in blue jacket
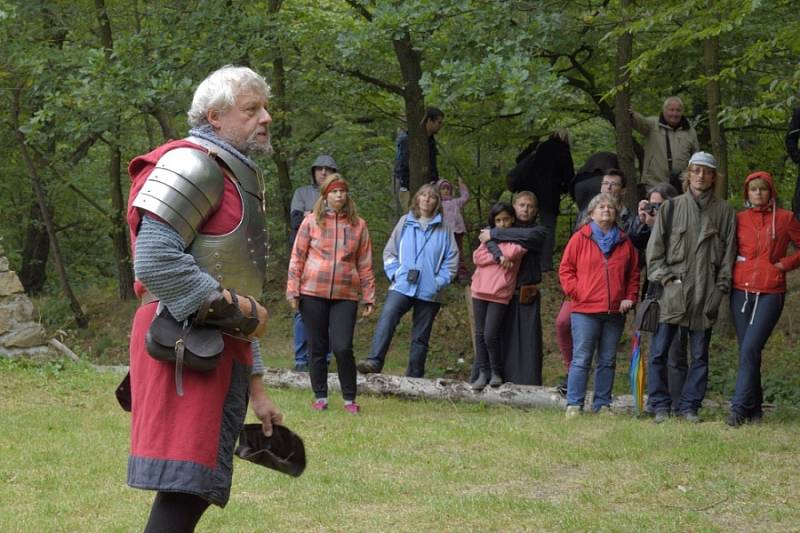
419, 259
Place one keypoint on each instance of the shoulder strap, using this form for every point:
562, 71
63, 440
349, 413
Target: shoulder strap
668, 222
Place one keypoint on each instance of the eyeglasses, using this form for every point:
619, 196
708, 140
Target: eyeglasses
610, 184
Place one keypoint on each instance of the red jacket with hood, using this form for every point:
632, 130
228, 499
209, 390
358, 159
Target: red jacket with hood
596, 283
763, 235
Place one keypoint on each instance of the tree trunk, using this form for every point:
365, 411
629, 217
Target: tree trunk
524, 396
41, 198
119, 234
282, 128
33, 271
119, 228
165, 123
411, 70
718, 145
622, 117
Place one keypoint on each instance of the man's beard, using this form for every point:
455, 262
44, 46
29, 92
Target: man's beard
253, 147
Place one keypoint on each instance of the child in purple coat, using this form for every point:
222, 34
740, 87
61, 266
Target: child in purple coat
451, 209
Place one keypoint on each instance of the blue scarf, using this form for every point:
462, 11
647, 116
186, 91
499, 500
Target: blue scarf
206, 131
605, 241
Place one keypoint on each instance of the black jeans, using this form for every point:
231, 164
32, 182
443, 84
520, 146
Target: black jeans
488, 323
329, 326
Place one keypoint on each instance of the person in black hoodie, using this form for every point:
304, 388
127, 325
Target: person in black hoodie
547, 172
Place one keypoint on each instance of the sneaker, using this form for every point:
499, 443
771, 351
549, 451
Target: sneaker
573, 411
496, 379
734, 419
352, 408
301, 367
561, 388
480, 383
661, 416
320, 405
603, 410
367, 366
691, 417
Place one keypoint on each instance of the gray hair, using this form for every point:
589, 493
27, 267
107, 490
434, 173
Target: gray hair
220, 89
673, 99
602, 198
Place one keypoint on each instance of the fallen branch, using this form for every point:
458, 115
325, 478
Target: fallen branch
523, 396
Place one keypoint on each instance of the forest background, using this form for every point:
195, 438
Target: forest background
89, 85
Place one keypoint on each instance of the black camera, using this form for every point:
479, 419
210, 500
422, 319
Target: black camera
651, 208
413, 275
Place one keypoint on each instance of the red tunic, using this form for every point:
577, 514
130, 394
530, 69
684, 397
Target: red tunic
184, 444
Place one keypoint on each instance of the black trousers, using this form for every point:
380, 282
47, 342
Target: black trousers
488, 323
329, 326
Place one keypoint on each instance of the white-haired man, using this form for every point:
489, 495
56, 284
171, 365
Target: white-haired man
198, 232
669, 142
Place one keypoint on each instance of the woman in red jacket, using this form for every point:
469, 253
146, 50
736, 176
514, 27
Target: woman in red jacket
599, 273
331, 262
763, 234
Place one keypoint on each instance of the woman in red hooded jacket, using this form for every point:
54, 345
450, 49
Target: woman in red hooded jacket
763, 233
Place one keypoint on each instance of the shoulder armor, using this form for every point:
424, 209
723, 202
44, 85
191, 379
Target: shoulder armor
184, 189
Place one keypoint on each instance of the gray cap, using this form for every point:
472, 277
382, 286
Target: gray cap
324, 161
703, 159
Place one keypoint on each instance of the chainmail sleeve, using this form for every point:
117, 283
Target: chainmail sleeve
167, 271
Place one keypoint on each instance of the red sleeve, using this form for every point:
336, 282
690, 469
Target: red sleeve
632, 292
791, 262
298, 261
567, 271
365, 272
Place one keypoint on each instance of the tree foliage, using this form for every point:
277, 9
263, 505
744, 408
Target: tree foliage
505, 73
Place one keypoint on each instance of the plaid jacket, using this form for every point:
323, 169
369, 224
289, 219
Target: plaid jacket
333, 261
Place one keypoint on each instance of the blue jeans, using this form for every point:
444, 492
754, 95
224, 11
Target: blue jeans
395, 306
694, 388
590, 331
752, 337
300, 340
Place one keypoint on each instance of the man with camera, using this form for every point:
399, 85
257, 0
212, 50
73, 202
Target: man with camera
669, 141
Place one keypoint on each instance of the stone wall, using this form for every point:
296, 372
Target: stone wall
21, 335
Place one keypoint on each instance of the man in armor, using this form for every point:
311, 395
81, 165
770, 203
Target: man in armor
196, 216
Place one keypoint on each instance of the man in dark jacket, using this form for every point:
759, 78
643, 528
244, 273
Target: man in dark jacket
433, 121
792, 139
546, 172
303, 202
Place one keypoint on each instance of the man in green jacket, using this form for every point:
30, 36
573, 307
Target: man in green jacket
669, 140
690, 252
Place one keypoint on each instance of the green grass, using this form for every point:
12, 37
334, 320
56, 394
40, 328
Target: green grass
405, 466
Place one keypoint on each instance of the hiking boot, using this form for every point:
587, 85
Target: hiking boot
734, 419
661, 416
691, 417
561, 388
320, 405
496, 380
368, 366
352, 408
573, 411
301, 367
481, 381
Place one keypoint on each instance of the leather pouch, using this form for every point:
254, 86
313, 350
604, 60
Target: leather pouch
197, 348
646, 318
528, 293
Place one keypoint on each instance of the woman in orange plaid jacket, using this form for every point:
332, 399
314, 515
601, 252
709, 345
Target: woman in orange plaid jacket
331, 264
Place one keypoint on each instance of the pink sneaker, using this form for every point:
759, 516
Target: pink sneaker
319, 405
352, 408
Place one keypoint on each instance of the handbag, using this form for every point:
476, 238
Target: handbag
184, 343
647, 314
